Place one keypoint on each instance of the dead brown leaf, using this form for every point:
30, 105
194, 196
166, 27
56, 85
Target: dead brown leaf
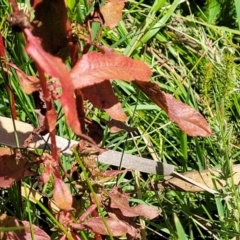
11, 168
112, 13
29, 84
208, 178
110, 173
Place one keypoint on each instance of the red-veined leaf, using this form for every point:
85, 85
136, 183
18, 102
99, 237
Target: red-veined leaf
186, 117
95, 67
24, 231
54, 67
62, 195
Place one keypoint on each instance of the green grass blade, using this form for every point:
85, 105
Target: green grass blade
237, 7
180, 230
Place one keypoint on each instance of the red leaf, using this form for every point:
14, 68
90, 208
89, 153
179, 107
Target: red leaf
8, 222
54, 67
146, 211
2, 47
186, 117
28, 83
12, 169
116, 226
95, 67
51, 24
101, 95
120, 201
112, 13
62, 195
133, 228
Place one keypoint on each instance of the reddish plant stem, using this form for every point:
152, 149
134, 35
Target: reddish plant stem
56, 173
12, 102
98, 237
14, 5
2, 47
80, 109
10, 92
50, 107
78, 93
